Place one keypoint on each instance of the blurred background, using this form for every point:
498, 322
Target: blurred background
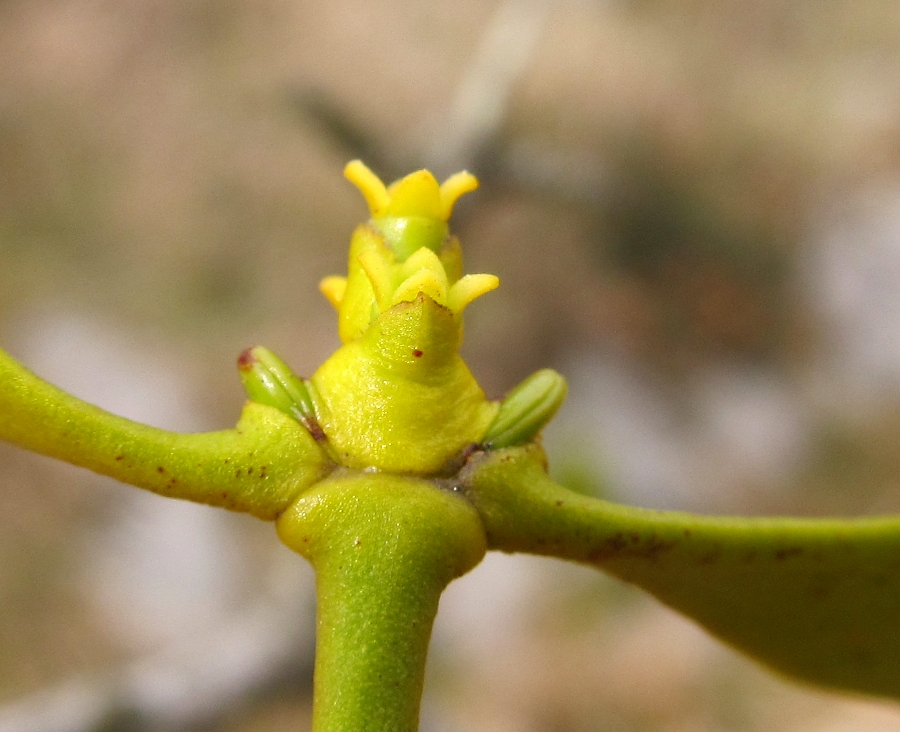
694, 210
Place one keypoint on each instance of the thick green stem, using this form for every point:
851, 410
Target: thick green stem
258, 467
815, 598
384, 548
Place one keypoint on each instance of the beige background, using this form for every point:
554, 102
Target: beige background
694, 210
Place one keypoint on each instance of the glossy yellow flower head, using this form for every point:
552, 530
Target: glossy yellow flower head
416, 195
412, 212
397, 396
403, 251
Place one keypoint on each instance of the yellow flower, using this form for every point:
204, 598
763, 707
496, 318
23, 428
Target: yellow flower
404, 250
397, 396
416, 195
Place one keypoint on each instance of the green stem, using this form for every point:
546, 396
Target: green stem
384, 548
815, 598
258, 467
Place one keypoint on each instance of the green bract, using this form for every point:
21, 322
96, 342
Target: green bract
526, 409
268, 380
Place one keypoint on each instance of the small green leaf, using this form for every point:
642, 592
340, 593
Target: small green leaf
269, 380
526, 409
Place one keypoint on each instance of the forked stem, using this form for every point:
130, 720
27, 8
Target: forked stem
384, 548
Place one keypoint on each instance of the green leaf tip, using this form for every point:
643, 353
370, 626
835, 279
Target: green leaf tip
269, 380
527, 409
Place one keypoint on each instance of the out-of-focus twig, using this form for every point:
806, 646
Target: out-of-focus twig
457, 136
460, 134
469, 132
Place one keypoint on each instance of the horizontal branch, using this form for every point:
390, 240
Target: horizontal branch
257, 467
818, 599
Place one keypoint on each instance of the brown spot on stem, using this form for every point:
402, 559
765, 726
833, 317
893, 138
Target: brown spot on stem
783, 554
655, 547
315, 429
120, 457
160, 469
618, 545
469, 450
417, 353
710, 557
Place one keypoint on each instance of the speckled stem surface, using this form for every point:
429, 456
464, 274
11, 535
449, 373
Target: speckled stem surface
817, 599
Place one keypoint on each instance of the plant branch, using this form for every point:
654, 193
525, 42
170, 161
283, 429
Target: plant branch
816, 599
384, 548
257, 467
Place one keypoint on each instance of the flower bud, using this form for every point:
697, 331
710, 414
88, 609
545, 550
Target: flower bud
269, 380
526, 409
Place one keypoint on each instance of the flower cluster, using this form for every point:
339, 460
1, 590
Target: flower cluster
404, 251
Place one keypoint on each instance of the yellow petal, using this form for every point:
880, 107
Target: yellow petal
334, 288
418, 194
451, 189
468, 288
369, 185
427, 281
422, 258
378, 270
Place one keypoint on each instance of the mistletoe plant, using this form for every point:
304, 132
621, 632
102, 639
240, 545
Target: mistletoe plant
393, 474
